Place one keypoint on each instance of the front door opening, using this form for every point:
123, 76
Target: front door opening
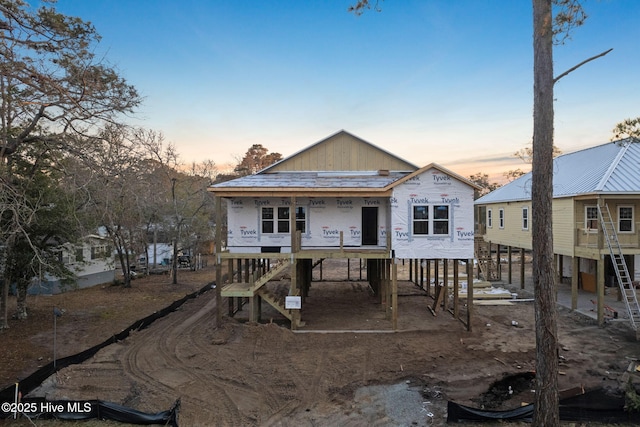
369, 226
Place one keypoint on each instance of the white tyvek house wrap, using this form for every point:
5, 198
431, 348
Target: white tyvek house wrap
325, 219
433, 187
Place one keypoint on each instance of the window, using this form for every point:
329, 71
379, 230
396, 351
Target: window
275, 220
100, 252
267, 220
283, 220
489, 218
441, 219
439, 225
501, 218
301, 219
625, 218
79, 254
591, 218
421, 220
525, 218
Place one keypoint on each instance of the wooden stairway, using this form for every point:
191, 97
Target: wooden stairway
256, 288
625, 283
255, 282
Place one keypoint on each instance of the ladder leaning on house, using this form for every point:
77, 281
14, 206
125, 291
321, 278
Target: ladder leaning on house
488, 266
620, 266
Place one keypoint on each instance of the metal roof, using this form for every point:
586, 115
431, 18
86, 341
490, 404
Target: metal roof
612, 168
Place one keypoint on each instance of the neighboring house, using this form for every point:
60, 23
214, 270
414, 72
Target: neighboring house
596, 197
92, 262
344, 198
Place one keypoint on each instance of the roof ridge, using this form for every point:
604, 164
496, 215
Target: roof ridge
612, 167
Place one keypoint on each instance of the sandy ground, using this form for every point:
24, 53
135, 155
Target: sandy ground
345, 367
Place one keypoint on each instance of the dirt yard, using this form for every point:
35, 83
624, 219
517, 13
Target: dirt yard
345, 367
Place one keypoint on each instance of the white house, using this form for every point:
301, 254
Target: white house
344, 197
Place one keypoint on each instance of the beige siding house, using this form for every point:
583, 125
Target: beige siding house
596, 197
341, 197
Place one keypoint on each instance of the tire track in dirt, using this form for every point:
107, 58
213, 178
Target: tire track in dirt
309, 388
152, 361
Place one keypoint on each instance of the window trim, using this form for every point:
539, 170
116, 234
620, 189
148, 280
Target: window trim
501, 218
430, 220
281, 219
301, 219
489, 218
631, 220
587, 220
525, 218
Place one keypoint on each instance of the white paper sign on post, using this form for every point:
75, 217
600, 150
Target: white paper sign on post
293, 303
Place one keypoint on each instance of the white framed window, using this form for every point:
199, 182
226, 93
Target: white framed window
431, 220
301, 219
421, 219
591, 218
489, 218
625, 219
501, 218
100, 251
283, 220
525, 218
276, 220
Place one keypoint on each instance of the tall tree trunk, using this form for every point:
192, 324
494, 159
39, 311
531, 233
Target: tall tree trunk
546, 411
21, 299
4, 303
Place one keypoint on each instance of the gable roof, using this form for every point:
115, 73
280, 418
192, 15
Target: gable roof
612, 168
341, 151
287, 180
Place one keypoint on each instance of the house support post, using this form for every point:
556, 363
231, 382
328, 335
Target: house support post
456, 288
575, 275
394, 294
254, 308
445, 284
294, 291
411, 269
498, 262
509, 266
387, 287
600, 289
521, 268
560, 268
428, 264
421, 273
469, 294
218, 207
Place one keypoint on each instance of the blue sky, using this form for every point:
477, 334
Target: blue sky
438, 81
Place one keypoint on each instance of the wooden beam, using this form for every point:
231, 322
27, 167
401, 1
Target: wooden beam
522, 268
575, 276
218, 210
445, 284
509, 267
469, 293
456, 288
394, 295
600, 289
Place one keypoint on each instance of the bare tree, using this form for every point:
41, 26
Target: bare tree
51, 86
482, 180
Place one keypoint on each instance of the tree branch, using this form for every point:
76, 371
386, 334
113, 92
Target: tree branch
555, 80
